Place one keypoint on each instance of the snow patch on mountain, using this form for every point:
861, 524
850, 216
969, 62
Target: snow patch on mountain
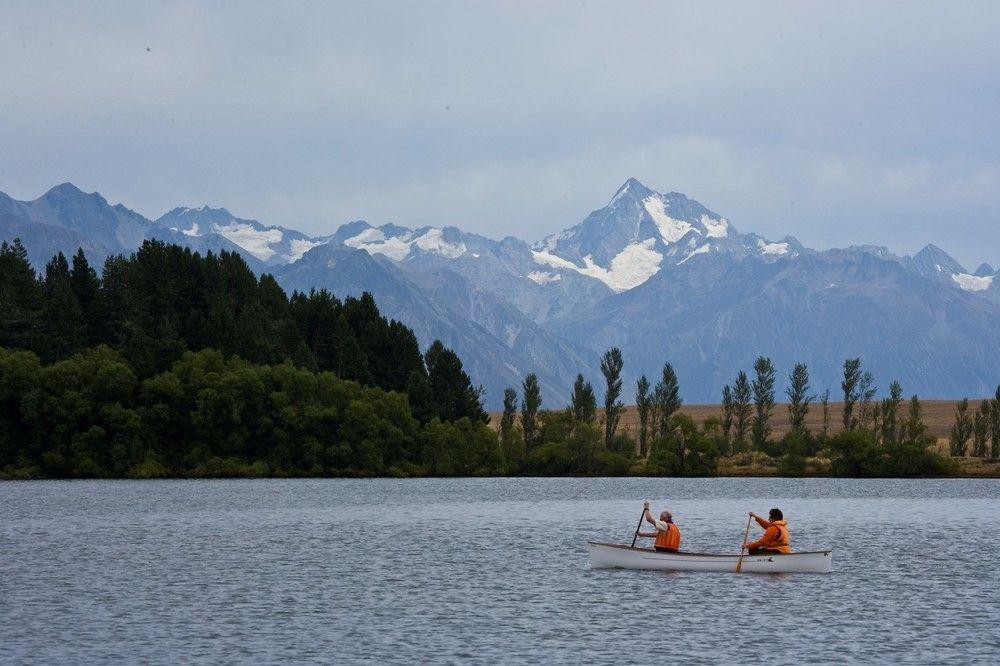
299, 246
631, 267
703, 249
635, 264
433, 241
546, 257
671, 230
256, 242
397, 248
542, 277
973, 282
776, 249
373, 241
715, 228
192, 232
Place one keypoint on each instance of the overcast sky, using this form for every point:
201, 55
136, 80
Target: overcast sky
837, 123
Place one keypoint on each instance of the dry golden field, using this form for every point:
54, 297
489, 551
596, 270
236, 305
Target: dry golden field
939, 415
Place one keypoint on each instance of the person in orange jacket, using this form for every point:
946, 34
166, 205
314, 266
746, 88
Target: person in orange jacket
667, 534
775, 540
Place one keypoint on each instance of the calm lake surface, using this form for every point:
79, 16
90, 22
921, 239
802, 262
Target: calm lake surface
489, 570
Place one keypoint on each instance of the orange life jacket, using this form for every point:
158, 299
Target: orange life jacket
668, 539
775, 537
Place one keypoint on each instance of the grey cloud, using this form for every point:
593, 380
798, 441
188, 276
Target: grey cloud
850, 122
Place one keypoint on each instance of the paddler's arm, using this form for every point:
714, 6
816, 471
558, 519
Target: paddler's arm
761, 521
651, 535
647, 515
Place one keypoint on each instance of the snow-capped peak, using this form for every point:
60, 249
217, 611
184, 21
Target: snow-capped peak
270, 244
398, 242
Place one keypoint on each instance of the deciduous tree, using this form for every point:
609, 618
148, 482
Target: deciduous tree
583, 402
763, 398
962, 430
799, 398
531, 401
611, 368
642, 406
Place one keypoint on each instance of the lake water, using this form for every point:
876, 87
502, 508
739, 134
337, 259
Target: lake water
489, 570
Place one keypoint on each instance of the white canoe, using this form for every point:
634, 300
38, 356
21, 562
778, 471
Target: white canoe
612, 556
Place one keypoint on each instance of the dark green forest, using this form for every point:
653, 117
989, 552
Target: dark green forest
168, 363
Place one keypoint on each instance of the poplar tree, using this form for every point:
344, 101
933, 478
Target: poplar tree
583, 403
611, 368
866, 391
981, 428
824, 400
642, 406
995, 427
961, 431
531, 400
799, 398
509, 413
849, 385
667, 396
742, 409
914, 429
890, 414
763, 398
728, 411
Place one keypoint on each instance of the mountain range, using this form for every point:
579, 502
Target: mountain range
658, 275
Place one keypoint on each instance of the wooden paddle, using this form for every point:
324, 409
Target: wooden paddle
739, 562
641, 516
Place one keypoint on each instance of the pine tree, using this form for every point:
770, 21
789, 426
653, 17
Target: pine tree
962, 430
418, 390
763, 398
62, 322
531, 401
642, 405
611, 368
583, 403
452, 389
20, 298
742, 409
83, 281
799, 398
667, 397
849, 385
349, 360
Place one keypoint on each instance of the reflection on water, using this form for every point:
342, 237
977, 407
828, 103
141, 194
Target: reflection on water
487, 570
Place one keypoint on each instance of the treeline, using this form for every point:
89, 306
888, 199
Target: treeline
166, 300
886, 437
90, 415
171, 363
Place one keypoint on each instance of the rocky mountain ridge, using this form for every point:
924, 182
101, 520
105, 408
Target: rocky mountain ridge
659, 275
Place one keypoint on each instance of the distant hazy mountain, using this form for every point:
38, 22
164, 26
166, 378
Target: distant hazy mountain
659, 275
